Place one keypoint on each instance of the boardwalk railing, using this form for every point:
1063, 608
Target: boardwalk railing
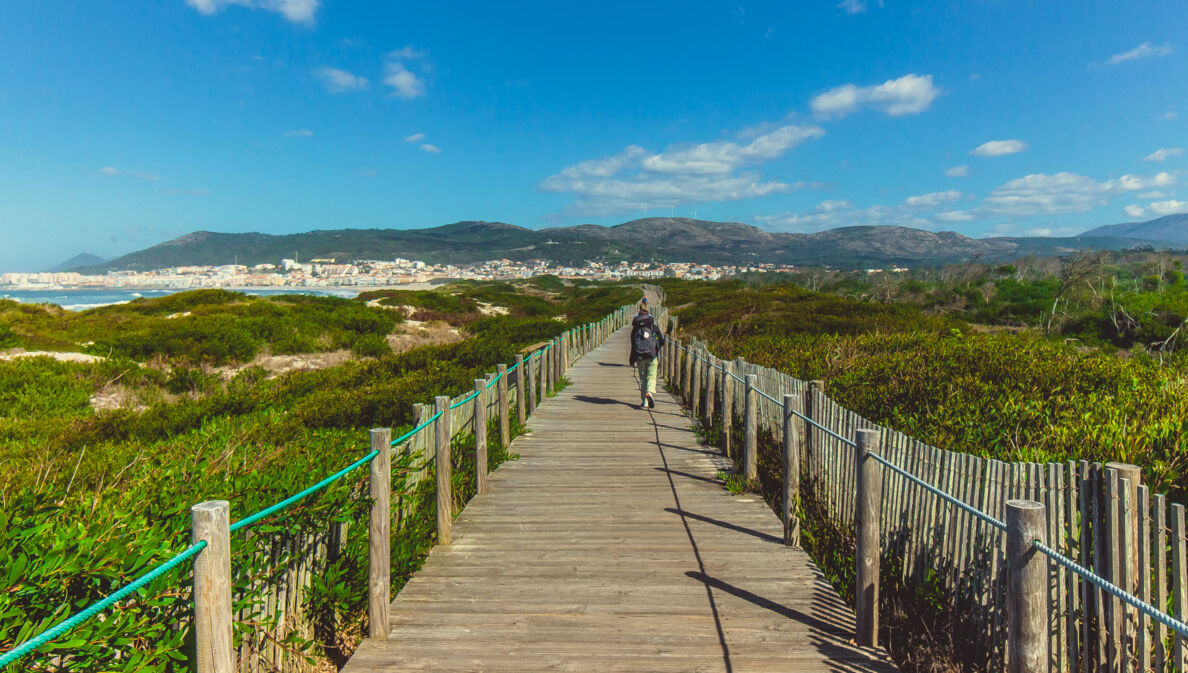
283, 567
1063, 567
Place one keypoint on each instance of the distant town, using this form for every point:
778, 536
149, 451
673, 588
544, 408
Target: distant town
318, 273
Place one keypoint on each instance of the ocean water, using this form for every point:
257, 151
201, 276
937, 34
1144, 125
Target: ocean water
81, 300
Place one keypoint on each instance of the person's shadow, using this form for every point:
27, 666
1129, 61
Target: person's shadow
601, 400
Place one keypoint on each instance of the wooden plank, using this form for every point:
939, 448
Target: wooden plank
610, 545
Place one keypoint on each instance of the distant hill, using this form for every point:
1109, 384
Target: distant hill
1169, 228
81, 259
668, 239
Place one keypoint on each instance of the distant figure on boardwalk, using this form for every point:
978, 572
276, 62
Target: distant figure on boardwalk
646, 341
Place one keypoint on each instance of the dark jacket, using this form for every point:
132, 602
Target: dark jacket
642, 321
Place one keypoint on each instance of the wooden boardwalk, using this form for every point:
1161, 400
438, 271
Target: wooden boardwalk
611, 546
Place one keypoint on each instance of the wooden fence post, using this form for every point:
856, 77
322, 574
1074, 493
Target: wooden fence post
868, 494
521, 396
707, 415
791, 471
727, 407
559, 347
812, 413
687, 375
532, 364
695, 383
379, 530
750, 432
445, 496
504, 407
480, 435
210, 521
1027, 588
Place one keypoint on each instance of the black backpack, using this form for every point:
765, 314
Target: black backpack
643, 341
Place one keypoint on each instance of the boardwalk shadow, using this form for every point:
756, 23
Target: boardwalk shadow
766, 537
612, 364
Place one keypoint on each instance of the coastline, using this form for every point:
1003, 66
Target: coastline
83, 298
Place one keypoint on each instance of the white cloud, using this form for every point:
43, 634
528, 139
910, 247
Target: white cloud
369, 173
852, 6
1134, 211
414, 138
833, 214
933, 199
1168, 116
998, 148
910, 94
431, 149
706, 172
112, 170
405, 83
957, 172
1164, 153
1044, 194
1168, 207
1137, 182
724, 157
1144, 50
1153, 195
299, 133
188, 192
955, 216
340, 81
297, 11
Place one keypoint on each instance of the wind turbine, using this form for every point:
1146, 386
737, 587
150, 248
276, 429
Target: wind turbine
695, 213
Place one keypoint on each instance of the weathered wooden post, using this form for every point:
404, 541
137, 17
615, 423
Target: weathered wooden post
791, 471
727, 407
445, 495
812, 413
1027, 587
687, 374
868, 495
695, 390
521, 396
707, 417
379, 530
480, 435
504, 407
210, 522
750, 431
559, 359
532, 364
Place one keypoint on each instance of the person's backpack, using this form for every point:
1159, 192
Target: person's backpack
644, 340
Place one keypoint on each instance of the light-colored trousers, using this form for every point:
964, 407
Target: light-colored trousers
646, 367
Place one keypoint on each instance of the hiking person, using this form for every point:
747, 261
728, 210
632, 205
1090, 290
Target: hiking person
646, 341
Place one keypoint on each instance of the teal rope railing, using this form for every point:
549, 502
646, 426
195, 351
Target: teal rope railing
268, 511
415, 430
95, 608
73, 621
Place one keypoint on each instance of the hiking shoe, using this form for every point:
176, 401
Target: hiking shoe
651, 402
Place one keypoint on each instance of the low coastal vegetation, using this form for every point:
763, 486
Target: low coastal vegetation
1016, 395
91, 499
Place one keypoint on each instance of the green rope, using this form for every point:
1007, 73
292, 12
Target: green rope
415, 430
244, 523
464, 400
95, 608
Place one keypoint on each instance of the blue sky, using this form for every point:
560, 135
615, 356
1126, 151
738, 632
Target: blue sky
125, 124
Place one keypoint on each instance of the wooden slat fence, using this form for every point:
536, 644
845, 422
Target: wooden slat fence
1099, 515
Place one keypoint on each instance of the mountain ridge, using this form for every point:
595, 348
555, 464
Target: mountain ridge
669, 239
